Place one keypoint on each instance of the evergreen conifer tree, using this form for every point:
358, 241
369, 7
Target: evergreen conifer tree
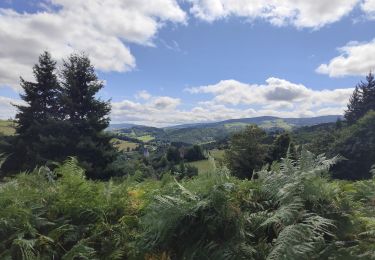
368, 95
40, 109
362, 100
85, 117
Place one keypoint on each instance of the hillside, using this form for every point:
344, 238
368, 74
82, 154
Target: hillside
208, 132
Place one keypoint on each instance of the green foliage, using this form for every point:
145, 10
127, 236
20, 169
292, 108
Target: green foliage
85, 117
357, 144
62, 118
62, 215
173, 154
362, 100
292, 211
247, 152
194, 153
41, 109
280, 147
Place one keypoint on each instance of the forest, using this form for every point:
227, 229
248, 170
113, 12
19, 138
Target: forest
72, 186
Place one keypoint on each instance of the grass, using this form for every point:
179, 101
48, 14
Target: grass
205, 166
217, 154
146, 138
235, 125
7, 127
279, 123
122, 145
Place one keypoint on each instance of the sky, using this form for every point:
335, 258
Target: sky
168, 62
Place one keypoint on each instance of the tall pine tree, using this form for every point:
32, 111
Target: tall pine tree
85, 117
362, 100
41, 108
368, 93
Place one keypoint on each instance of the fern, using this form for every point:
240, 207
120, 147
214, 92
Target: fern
292, 210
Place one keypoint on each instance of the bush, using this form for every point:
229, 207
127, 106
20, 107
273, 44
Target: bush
357, 144
292, 211
62, 215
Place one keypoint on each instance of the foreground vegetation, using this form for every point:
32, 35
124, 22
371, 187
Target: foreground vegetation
293, 211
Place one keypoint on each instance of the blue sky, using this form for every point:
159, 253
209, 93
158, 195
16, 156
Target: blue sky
168, 62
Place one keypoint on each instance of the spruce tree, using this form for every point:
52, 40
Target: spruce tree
362, 100
41, 108
368, 95
355, 106
85, 117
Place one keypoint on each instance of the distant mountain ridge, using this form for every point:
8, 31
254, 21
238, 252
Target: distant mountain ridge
298, 121
208, 132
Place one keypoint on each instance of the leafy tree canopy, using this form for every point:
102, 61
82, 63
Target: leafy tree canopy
247, 151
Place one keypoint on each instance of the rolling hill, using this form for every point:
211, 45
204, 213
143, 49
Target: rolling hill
207, 132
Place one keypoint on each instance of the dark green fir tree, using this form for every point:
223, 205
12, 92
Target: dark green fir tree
362, 100
85, 117
40, 109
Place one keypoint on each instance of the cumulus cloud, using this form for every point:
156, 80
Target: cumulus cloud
234, 99
229, 99
301, 14
277, 97
153, 110
275, 90
355, 59
98, 28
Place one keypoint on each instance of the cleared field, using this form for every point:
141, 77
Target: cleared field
146, 138
7, 127
217, 154
122, 145
205, 166
279, 123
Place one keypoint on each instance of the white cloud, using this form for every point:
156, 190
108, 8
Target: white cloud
234, 99
230, 99
277, 97
143, 94
354, 59
153, 111
99, 28
299, 13
368, 6
7, 108
275, 90
165, 103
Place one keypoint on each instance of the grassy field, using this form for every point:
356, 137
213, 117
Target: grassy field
279, 123
236, 125
122, 145
217, 154
146, 138
205, 166
7, 127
